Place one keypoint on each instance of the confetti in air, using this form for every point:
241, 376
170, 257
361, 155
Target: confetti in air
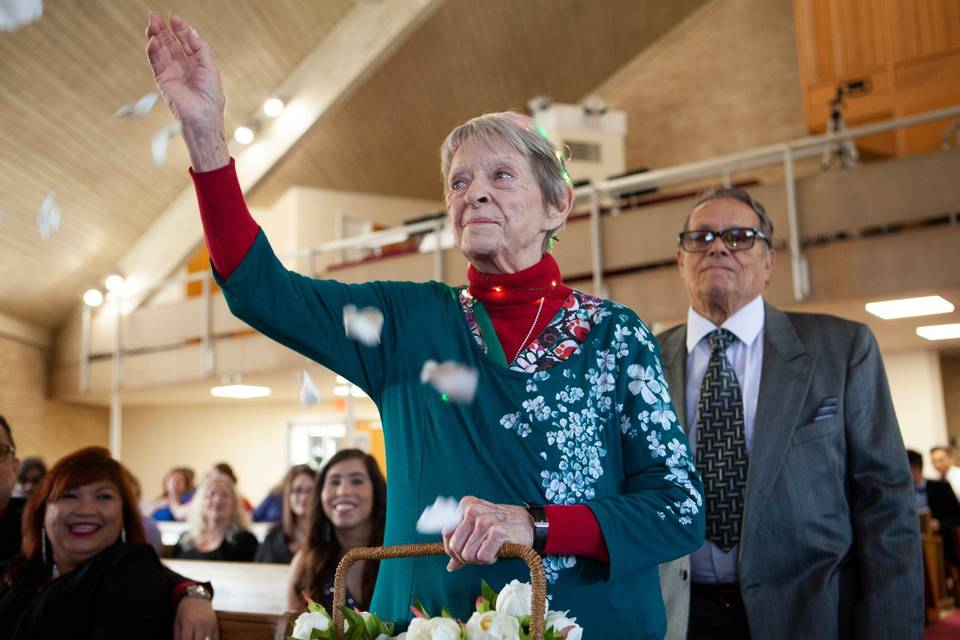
48, 218
442, 516
16, 13
455, 382
309, 393
363, 325
138, 109
158, 147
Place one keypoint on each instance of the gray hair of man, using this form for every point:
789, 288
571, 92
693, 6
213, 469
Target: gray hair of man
527, 138
735, 193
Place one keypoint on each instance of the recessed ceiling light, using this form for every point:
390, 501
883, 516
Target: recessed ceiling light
909, 307
940, 331
273, 107
93, 297
241, 391
114, 282
243, 135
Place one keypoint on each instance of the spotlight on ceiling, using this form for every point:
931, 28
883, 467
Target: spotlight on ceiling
243, 135
93, 298
114, 282
273, 107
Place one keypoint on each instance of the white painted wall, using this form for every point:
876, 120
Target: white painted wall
917, 389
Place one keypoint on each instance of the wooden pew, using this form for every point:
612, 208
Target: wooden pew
243, 587
236, 625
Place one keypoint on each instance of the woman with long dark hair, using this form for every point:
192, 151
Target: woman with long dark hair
286, 538
349, 510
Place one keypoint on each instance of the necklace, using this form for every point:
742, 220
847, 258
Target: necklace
536, 318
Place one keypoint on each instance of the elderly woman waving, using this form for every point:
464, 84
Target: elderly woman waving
572, 414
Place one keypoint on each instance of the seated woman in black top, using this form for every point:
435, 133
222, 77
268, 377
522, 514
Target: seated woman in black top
349, 510
286, 538
217, 524
85, 571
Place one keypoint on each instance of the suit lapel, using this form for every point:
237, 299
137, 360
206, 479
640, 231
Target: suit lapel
674, 354
788, 369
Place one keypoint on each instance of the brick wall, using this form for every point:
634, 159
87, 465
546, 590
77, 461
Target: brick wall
725, 80
42, 426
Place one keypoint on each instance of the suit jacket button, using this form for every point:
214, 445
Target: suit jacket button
683, 574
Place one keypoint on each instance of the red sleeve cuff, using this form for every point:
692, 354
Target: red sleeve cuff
228, 228
574, 530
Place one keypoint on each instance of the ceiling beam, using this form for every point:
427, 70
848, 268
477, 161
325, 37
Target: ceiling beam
359, 44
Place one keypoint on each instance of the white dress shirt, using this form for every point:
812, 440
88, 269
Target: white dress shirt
953, 477
709, 564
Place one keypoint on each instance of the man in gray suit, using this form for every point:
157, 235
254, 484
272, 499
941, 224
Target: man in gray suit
811, 519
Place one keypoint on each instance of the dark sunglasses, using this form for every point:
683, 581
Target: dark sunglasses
736, 239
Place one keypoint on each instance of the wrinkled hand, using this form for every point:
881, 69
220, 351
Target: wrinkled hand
484, 528
195, 620
183, 67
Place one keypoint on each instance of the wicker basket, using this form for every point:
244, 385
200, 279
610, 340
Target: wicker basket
538, 580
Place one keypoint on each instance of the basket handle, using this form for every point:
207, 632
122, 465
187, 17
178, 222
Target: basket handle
538, 580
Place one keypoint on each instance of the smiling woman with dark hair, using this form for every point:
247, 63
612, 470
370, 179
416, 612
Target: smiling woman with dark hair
85, 571
348, 510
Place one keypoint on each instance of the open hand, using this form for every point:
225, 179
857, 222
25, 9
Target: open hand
484, 529
183, 67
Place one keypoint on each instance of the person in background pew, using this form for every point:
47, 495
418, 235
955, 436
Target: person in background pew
217, 522
31, 473
943, 462
227, 470
151, 531
937, 496
270, 508
287, 538
173, 502
349, 509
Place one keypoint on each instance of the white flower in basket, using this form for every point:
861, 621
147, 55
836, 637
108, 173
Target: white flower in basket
559, 621
308, 621
493, 625
433, 629
515, 599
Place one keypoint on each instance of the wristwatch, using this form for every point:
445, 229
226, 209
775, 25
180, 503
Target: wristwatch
540, 526
198, 591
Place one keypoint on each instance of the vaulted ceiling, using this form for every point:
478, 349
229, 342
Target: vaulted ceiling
63, 77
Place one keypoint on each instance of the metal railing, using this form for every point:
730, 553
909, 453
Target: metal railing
593, 194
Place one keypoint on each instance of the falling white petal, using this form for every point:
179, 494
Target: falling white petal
442, 516
456, 381
363, 325
17, 13
309, 393
138, 109
162, 139
48, 218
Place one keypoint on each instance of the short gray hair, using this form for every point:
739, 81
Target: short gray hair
735, 193
526, 137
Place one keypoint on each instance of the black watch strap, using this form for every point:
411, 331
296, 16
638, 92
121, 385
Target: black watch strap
540, 526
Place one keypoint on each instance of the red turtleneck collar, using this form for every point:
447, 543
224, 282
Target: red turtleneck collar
512, 300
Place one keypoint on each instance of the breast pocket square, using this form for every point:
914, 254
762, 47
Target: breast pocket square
827, 409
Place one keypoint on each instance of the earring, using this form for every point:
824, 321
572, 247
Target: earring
123, 535
43, 545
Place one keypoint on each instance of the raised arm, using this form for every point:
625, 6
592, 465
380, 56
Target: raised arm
189, 81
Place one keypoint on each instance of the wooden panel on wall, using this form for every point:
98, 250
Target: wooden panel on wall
839, 39
908, 49
924, 27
